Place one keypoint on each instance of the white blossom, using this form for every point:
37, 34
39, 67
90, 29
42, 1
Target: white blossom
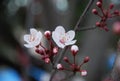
33, 39
63, 38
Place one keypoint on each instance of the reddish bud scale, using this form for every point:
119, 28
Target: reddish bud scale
94, 11
99, 4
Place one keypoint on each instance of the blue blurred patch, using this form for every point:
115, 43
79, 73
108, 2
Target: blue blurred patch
111, 60
9, 74
36, 73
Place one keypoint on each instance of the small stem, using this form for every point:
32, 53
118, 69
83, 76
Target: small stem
42, 46
83, 14
102, 11
81, 64
57, 61
99, 15
53, 73
74, 59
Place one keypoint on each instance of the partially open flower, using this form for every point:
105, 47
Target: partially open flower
74, 49
59, 67
33, 39
62, 38
83, 73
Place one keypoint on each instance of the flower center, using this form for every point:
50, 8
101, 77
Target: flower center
32, 38
63, 40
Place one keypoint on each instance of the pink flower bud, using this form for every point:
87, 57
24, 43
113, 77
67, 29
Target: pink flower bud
116, 12
47, 34
59, 67
111, 6
86, 59
83, 73
99, 4
74, 49
66, 59
98, 24
55, 50
106, 29
47, 60
94, 11
40, 51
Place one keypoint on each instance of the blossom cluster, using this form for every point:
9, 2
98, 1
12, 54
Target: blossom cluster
62, 39
59, 36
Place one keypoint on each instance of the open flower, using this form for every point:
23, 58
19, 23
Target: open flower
63, 38
33, 39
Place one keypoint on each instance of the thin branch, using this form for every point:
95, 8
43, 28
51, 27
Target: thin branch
57, 61
65, 49
53, 73
86, 28
83, 14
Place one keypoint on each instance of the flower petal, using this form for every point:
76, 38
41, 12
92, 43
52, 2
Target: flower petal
28, 45
70, 35
26, 38
37, 40
57, 41
60, 30
33, 31
70, 42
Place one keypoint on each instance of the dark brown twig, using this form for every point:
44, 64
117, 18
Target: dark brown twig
75, 28
86, 28
83, 14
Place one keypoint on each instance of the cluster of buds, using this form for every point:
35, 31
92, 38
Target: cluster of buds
73, 67
106, 14
47, 54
